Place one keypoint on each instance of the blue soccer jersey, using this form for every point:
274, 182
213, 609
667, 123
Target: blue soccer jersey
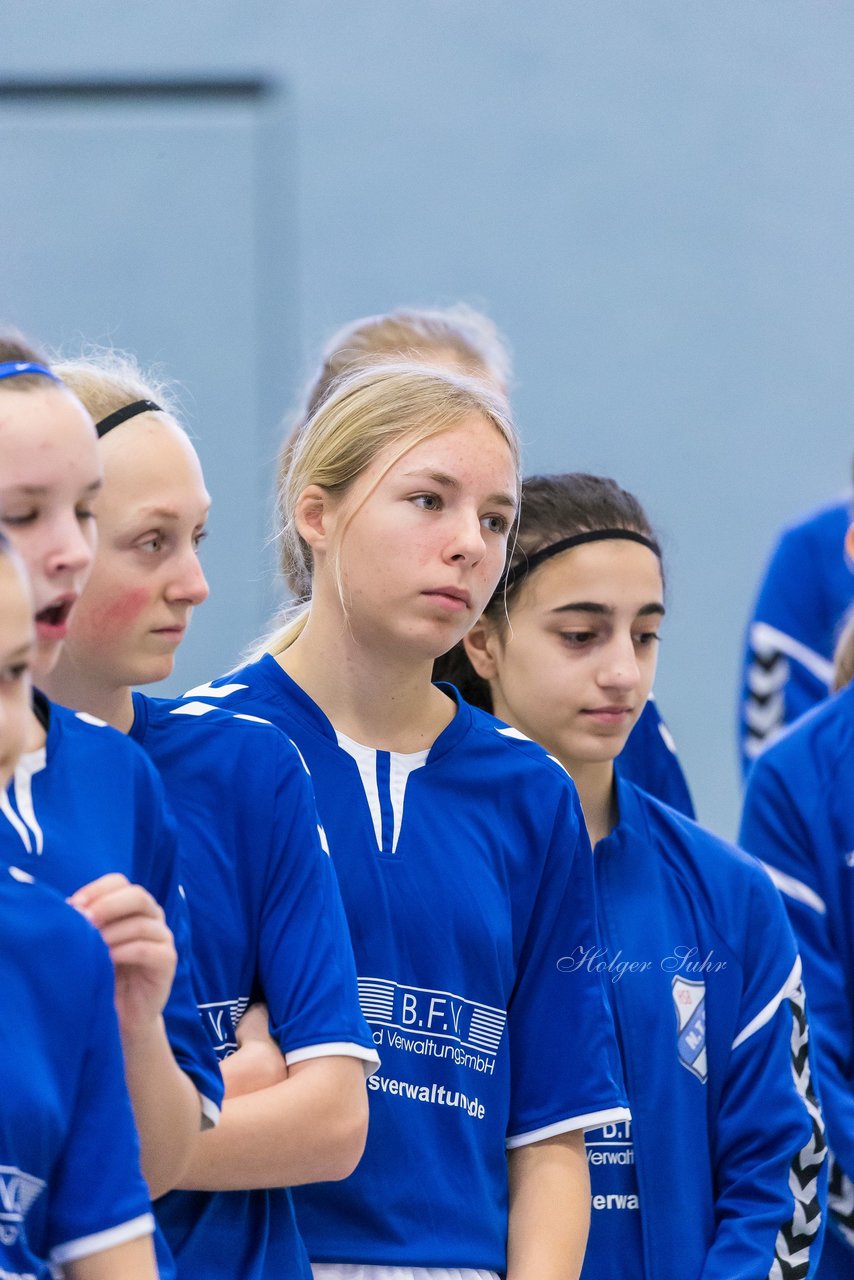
720, 1172
649, 760
88, 803
807, 589
466, 874
268, 924
799, 820
70, 1184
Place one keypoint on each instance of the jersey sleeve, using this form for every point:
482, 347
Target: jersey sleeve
774, 828
784, 673
770, 1179
97, 1195
306, 966
159, 871
649, 760
564, 1064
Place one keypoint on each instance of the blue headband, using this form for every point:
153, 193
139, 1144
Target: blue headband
22, 368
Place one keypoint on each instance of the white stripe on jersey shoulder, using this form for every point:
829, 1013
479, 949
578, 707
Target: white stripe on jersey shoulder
400, 769
796, 889
23, 877
788, 989
202, 708
214, 691
510, 732
89, 719
192, 709
767, 640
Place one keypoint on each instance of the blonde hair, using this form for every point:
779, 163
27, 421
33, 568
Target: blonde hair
382, 408
106, 380
457, 335
468, 337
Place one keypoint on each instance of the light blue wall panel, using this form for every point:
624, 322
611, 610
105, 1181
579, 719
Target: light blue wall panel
156, 239
653, 199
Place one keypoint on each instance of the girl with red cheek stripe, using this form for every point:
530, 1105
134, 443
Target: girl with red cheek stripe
267, 917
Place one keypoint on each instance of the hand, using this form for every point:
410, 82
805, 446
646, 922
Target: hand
258, 1062
140, 943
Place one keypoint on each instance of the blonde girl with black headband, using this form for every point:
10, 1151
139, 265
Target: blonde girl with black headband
264, 905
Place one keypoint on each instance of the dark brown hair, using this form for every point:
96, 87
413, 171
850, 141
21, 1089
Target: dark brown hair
553, 507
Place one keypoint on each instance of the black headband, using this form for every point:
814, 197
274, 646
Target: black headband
122, 415
528, 563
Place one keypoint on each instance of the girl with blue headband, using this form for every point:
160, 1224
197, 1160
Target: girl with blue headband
84, 811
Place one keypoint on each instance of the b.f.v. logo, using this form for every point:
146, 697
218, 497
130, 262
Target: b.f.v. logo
18, 1191
690, 1001
221, 1018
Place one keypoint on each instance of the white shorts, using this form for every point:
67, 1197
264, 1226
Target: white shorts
358, 1271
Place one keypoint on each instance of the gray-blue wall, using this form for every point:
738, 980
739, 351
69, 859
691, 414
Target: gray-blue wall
652, 199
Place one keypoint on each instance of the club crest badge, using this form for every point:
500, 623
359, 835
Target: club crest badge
690, 1001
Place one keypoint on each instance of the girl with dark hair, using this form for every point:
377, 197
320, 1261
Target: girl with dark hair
718, 1173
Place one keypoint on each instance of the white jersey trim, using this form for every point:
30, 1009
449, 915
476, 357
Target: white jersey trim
214, 691
371, 1271
401, 766
336, 1049
101, 1240
786, 992
764, 637
592, 1120
210, 1113
796, 889
31, 763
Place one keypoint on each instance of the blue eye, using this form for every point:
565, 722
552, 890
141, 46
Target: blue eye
428, 501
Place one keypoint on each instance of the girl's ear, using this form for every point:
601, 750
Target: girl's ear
481, 645
312, 517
